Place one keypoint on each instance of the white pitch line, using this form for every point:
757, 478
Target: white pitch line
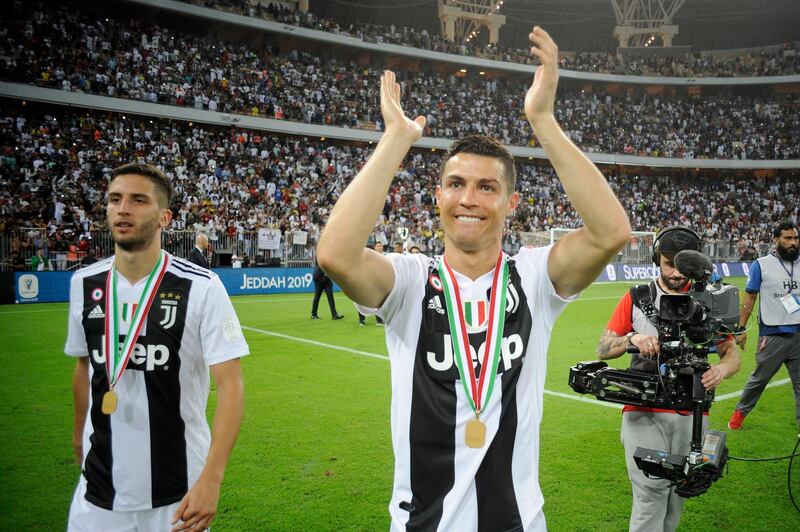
584, 399
314, 342
384, 357
306, 299
32, 311
596, 298
739, 393
275, 300
236, 302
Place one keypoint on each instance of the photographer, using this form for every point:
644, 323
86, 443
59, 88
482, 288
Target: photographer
778, 320
656, 506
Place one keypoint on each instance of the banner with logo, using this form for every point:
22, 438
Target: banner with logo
643, 273
41, 287
252, 281
51, 287
269, 238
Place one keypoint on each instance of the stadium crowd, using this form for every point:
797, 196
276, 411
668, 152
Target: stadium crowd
781, 62
54, 163
65, 49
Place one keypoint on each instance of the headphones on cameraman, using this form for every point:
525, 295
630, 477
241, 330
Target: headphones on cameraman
689, 234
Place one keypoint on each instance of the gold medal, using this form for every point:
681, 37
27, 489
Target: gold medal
109, 402
474, 385
117, 357
475, 435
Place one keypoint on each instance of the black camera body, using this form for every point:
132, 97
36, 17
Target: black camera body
698, 314
687, 326
675, 390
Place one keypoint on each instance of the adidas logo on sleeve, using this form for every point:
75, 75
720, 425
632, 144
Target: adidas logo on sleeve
96, 313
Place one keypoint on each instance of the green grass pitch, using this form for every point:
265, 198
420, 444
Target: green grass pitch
314, 452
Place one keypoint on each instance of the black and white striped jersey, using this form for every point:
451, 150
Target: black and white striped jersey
439, 482
153, 448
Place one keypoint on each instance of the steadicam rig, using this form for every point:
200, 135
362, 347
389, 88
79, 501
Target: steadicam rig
678, 389
687, 327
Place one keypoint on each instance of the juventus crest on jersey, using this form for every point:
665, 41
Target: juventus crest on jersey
440, 482
153, 447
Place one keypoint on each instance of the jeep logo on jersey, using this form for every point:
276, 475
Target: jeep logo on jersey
513, 347
144, 357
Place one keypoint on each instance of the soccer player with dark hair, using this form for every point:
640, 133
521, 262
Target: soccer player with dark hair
146, 328
468, 332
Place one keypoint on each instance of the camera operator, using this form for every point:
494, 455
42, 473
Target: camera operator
778, 320
656, 506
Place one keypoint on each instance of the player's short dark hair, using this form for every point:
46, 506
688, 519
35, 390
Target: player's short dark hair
487, 147
786, 225
159, 179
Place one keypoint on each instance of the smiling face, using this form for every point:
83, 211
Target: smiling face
474, 200
135, 212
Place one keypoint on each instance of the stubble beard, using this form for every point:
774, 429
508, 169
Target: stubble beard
141, 240
673, 284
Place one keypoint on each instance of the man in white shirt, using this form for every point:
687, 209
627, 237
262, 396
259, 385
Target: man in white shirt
468, 332
148, 458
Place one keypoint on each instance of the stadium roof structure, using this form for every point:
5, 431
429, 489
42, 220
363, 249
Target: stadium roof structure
588, 25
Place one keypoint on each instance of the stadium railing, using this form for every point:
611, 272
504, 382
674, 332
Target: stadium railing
179, 243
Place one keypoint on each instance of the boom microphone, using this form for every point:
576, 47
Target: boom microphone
693, 265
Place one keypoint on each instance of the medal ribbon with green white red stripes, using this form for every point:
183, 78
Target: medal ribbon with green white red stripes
116, 358
494, 332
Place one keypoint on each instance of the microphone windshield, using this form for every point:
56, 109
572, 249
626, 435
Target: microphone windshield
694, 265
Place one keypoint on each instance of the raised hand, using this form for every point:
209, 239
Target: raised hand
393, 115
541, 96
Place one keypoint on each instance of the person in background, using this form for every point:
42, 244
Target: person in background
323, 283
93, 256
771, 280
40, 262
198, 253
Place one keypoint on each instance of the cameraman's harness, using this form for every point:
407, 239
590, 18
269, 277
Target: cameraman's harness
644, 298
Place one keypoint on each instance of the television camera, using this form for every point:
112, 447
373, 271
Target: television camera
687, 325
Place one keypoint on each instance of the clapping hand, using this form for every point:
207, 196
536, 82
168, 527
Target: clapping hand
393, 115
540, 98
